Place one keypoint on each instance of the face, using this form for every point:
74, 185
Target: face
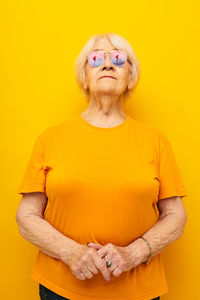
113, 86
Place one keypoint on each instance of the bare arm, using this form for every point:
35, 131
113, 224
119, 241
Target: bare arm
34, 228
169, 228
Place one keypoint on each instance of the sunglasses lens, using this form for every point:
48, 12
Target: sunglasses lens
118, 57
96, 58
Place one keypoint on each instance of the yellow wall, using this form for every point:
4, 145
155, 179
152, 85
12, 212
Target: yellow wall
40, 41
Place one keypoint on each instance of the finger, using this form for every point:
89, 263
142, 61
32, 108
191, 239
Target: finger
91, 267
95, 246
82, 269
102, 252
114, 264
80, 276
86, 272
101, 266
87, 266
107, 257
117, 272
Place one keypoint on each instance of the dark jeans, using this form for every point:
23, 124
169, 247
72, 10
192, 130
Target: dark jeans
46, 294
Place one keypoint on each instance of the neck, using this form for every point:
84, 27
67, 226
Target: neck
105, 110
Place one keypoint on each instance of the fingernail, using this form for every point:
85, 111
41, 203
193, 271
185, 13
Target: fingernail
108, 278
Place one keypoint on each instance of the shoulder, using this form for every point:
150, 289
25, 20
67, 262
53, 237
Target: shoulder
148, 132
52, 132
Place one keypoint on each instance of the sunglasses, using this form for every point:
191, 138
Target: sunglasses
96, 58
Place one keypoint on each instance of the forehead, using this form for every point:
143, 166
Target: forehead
103, 44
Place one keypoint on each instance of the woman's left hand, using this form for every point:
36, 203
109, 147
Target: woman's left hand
122, 258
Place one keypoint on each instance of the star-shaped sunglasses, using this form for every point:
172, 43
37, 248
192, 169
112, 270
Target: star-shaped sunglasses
96, 58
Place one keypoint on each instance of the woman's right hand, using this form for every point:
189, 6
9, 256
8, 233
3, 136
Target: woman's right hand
84, 262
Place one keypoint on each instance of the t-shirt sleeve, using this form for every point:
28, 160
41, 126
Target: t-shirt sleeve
33, 179
171, 182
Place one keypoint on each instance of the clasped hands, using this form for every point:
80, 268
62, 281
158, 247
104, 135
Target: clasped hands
89, 259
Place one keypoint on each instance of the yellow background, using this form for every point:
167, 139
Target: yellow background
40, 41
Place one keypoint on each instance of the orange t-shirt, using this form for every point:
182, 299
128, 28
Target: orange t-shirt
102, 186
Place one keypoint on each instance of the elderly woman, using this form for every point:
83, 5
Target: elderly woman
102, 192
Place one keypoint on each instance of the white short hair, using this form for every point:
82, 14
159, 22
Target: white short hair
118, 42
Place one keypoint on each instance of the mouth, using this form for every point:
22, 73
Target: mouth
107, 77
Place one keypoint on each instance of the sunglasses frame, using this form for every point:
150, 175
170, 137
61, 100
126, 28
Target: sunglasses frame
110, 57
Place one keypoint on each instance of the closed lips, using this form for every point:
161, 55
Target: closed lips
107, 76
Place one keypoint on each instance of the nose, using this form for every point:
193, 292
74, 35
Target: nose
107, 61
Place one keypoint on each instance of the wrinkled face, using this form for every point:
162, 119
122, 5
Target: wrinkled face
107, 85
